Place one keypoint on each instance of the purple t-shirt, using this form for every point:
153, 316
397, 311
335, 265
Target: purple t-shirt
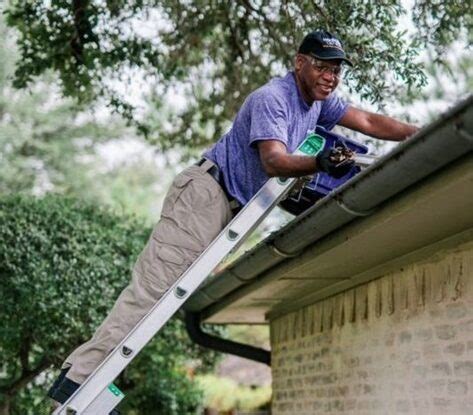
275, 111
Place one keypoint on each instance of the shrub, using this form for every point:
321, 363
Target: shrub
62, 265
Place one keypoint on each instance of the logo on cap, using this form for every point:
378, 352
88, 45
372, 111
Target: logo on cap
330, 42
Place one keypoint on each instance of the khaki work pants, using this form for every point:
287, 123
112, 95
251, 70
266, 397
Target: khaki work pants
194, 212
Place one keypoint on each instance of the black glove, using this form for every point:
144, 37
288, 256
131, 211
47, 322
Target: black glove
337, 162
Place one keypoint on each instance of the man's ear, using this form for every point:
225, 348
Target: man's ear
298, 62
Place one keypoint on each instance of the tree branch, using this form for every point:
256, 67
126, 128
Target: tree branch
78, 7
24, 353
234, 36
83, 29
26, 377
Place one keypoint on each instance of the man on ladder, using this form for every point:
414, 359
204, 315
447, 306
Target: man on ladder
270, 125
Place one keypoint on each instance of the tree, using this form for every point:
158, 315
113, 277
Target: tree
217, 51
62, 264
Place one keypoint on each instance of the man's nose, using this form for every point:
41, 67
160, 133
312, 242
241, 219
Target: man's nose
329, 75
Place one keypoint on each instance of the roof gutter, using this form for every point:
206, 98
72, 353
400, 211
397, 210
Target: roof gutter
435, 146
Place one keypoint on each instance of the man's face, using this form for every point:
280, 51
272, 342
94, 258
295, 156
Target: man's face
316, 78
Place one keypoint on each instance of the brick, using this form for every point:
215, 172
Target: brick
390, 339
424, 334
419, 386
363, 389
368, 360
445, 332
442, 403
299, 358
352, 362
456, 311
334, 405
457, 388
321, 392
466, 405
456, 349
431, 351
343, 390
411, 357
399, 388
369, 404
363, 405
441, 369
463, 368
466, 327
420, 370
405, 337
362, 374
317, 405
286, 406
350, 405
337, 391
421, 404
437, 386
403, 406
436, 313
280, 395
299, 383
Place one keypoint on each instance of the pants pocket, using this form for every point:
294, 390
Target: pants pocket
179, 185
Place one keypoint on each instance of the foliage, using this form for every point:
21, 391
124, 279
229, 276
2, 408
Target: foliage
223, 394
256, 335
215, 52
42, 136
442, 23
49, 144
62, 264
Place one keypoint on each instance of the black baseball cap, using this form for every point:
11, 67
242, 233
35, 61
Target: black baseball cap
324, 46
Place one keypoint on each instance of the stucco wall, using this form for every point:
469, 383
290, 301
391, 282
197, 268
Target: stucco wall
400, 344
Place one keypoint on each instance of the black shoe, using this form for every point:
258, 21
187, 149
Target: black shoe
57, 382
63, 388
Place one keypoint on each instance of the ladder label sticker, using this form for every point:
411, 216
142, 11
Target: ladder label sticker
114, 389
312, 145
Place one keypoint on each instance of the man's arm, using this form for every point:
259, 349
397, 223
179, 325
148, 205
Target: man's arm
277, 162
376, 125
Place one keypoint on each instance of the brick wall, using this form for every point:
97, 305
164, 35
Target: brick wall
401, 344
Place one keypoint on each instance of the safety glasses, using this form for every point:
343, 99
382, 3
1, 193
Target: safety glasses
324, 68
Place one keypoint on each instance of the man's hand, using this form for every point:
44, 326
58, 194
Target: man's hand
337, 162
